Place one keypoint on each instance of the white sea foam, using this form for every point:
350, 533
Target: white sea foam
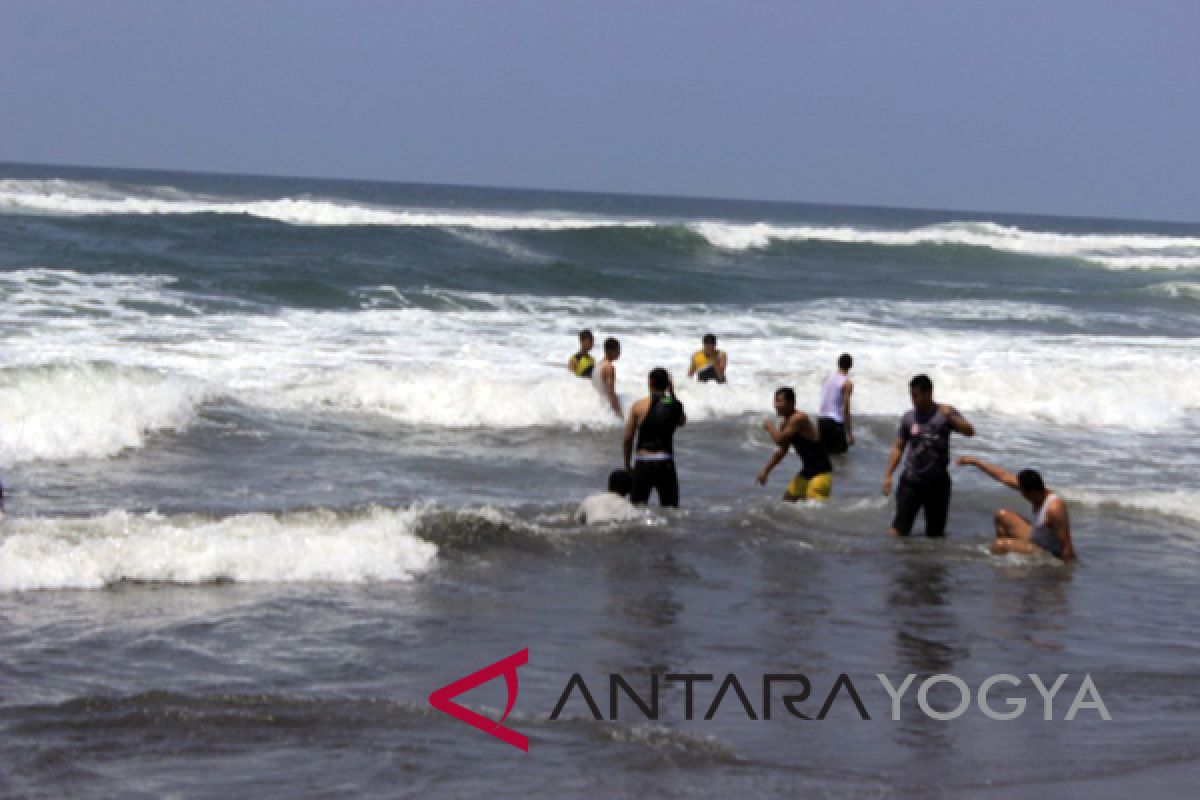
79, 198
1119, 251
1180, 503
498, 363
88, 410
1183, 290
1116, 251
450, 397
377, 545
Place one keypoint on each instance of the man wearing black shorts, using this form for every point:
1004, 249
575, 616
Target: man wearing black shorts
925, 484
653, 421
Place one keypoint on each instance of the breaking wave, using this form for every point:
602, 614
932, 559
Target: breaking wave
1118, 251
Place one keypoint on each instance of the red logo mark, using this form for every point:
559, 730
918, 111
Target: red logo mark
443, 699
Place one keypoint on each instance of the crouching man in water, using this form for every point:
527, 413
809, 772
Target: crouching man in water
653, 420
814, 481
1051, 527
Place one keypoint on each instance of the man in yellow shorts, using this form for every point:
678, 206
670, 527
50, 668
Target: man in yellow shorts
814, 481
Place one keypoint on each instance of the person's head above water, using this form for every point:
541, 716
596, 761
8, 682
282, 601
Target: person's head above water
1032, 487
612, 349
785, 401
921, 390
586, 340
620, 482
658, 380
709, 342
845, 362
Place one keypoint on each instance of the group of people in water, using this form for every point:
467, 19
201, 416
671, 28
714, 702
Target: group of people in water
922, 443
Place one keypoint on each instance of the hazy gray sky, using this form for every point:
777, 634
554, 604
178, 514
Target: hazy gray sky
1070, 106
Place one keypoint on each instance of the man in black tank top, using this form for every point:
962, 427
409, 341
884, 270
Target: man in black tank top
652, 423
814, 481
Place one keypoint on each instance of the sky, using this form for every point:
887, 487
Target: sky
1069, 107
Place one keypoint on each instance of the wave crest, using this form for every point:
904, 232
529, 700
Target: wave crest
88, 410
95, 552
1118, 251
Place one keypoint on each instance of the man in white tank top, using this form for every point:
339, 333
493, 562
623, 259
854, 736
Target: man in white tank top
833, 422
1051, 527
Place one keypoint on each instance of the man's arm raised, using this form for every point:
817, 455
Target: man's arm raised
783, 436
991, 470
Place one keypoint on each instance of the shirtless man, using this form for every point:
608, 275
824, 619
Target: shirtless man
604, 377
1051, 526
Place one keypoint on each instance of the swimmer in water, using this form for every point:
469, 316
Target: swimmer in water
604, 377
924, 433
708, 363
834, 420
610, 506
653, 421
582, 363
1051, 527
814, 481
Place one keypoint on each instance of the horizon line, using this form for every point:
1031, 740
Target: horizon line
596, 192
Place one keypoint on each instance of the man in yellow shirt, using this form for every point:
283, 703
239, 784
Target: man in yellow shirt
708, 363
582, 363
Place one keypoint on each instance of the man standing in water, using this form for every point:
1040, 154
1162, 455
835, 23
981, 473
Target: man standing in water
925, 483
1051, 526
581, 364
708, 363
653, 421
604, 378
834, 422
814, 481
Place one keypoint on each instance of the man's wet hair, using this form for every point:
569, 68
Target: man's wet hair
611, 345
620, 482
586, 333
1030, 481
922, 383
845, 361
709, 338
787, 393
659, 379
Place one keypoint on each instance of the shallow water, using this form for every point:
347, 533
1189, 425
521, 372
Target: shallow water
283, 457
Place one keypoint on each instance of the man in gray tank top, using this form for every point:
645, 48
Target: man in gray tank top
1050, 529
923, 438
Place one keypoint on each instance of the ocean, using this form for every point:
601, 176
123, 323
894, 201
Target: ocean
281, 457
